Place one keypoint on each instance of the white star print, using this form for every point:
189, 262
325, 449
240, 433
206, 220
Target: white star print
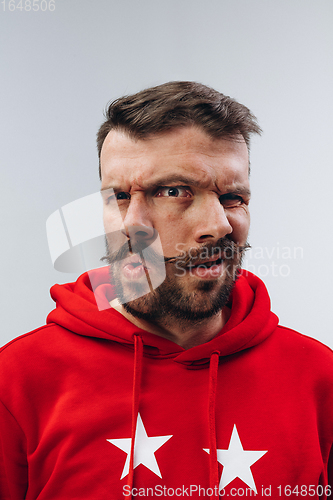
237, 462
144, 448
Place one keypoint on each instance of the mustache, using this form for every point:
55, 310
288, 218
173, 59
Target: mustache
129, 248
223, 248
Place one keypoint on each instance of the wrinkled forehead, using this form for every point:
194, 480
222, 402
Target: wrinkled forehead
183, 152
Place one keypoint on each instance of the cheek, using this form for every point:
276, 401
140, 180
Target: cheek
240, 223
112, 221
174, 235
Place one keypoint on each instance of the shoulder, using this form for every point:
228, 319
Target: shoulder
302, 354
34, 339
298, 341
25, 341
34, 350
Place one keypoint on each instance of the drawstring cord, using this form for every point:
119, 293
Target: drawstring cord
213, 463
213, 370
138, 355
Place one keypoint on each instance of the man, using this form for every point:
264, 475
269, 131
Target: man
190, 388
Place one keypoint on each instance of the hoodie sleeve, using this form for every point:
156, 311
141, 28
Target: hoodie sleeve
13, 459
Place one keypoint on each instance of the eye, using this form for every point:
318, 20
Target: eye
120, 196
231, 200
173, 192
123, 196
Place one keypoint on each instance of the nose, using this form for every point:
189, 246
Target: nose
212, 221
137, 223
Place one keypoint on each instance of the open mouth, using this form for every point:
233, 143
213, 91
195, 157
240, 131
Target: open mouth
136, 264
134, 268
208, 264
133, 261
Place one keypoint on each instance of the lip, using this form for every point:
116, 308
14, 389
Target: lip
132, 259
212, 259
199, 270
207, 273
134, 272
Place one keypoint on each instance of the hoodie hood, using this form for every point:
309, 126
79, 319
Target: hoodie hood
250, 323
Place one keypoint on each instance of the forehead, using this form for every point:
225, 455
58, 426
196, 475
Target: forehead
188, 153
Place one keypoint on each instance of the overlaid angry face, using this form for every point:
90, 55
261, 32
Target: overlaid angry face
179, 204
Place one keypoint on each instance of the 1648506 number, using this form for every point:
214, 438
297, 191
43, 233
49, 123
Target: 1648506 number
311, 490
28, 5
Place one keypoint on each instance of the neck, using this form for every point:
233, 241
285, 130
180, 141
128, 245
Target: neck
182, 333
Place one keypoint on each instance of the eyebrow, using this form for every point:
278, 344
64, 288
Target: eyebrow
163, 181
173, 178
184, 181
239, 190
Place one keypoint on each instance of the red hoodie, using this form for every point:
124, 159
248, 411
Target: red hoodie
94, 408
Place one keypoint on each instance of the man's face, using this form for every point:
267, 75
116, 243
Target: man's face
193, 192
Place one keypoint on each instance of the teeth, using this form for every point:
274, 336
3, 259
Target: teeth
207, 264
210, 264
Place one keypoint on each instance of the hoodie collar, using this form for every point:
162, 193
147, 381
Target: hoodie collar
251, 320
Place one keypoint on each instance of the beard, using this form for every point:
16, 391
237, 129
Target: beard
176, 297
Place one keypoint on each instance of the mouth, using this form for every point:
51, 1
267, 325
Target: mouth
135, 264
207, 269
208, 263
133, 260
133, 268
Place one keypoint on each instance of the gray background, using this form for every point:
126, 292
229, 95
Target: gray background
58, 71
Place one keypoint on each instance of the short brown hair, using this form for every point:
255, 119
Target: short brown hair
178, 104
